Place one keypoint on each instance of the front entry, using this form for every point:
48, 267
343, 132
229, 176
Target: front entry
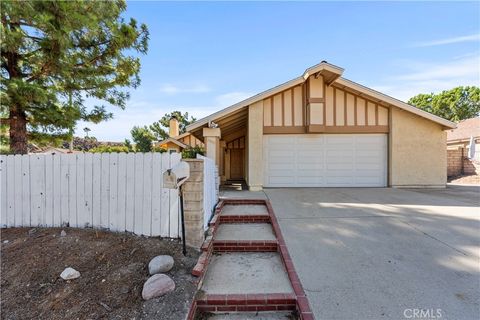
236, 163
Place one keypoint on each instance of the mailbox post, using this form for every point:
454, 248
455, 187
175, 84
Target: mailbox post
174, 179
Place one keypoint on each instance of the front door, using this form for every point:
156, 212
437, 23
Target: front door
236, 163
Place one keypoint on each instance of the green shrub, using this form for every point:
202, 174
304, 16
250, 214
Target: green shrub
191, 153
109, 149
158, 149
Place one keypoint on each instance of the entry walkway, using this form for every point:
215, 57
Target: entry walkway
246, 271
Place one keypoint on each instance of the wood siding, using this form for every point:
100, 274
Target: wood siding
192, 141
236, 144
284, 112
315, 107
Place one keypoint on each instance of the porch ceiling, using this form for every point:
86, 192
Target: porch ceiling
228, 124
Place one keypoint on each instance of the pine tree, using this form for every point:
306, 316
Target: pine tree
57, 54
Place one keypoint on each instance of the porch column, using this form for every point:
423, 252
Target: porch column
212, 144
221, 169
255, 146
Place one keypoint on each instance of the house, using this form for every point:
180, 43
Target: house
176, 142
458, 147
322, 130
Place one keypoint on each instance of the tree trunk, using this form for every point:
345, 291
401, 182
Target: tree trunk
18, 132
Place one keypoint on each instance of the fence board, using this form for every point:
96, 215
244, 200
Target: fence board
10, 191
88, 191
80, 191
147, 194
104, 190
112, 207
64, 216
25, 191
121, 192
130, 193
72, 191
3, 191
157, 178
56, 191
48, 190
165, 203
173, 195
122, 179
96, 188
18, 205
37, 187
138, 211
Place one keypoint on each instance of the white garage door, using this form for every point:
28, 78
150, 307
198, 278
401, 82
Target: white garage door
325, 160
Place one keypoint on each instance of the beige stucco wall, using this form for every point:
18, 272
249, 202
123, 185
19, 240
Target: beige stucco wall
254, 146
418, 151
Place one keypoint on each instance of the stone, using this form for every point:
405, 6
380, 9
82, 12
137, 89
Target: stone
63, 233
70, 274
160, 264
157, 286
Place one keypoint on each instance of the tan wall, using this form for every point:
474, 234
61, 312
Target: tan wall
255, 146
417, 152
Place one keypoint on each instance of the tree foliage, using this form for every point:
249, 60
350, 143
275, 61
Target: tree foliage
457, 104
143, 138
160, 128
56, 54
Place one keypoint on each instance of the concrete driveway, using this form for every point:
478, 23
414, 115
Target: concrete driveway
384, 253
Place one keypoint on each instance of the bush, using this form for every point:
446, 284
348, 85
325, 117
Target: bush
158, 149
191, 153
110, 149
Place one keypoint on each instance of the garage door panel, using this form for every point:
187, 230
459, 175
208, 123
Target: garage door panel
316, 160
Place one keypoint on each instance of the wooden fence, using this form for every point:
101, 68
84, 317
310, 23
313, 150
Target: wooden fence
211, 184
116, 191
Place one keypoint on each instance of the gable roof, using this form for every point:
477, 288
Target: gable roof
465, 129
174, 141
332, 74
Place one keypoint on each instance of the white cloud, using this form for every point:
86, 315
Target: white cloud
467, 38
227, 99
171, 89
428, 77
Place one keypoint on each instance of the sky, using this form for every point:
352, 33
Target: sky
205, 56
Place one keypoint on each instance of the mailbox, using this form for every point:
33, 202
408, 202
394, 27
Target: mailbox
175, 177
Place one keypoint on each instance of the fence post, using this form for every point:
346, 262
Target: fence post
193, 204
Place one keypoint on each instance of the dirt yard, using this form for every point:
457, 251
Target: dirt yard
113, 268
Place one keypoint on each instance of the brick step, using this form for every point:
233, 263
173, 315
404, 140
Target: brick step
245, 245
252, 315
251, 218
246, 302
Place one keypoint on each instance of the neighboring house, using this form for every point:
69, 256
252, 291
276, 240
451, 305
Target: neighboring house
458, 146
322, 130
176, 141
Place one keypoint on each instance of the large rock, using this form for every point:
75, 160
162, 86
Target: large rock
156, 286
69, 274
160, 264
